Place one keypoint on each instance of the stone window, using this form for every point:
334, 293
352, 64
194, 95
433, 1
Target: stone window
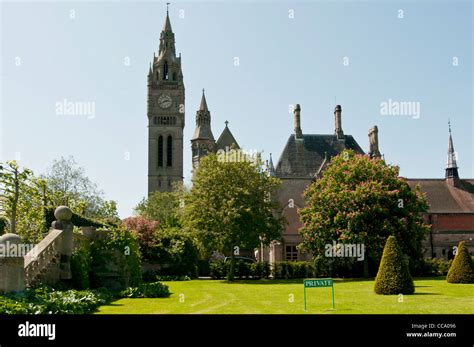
291, 253
160, 151
165, 71
169, 150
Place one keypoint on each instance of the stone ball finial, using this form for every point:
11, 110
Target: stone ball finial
10, 238
338, 108
63, 214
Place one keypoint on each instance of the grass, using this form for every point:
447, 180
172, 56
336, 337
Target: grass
432, 296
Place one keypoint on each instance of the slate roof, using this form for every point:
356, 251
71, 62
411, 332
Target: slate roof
226, 140
443, 197
305, 157
203, 132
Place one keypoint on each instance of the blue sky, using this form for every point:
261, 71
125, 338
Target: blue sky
103, 53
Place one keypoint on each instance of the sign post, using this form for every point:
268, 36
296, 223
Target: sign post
319, 283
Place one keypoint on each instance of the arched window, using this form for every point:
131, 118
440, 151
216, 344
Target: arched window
160, 151
165, 71
169, 150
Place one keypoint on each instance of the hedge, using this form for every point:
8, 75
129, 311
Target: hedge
76, 220
393, 276
461, 270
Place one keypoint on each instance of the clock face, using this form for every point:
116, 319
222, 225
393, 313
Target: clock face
164, 101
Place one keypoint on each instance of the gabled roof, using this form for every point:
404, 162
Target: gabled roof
226, 139
304, 157
443, 197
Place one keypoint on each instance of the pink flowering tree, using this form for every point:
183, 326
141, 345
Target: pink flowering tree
359, 200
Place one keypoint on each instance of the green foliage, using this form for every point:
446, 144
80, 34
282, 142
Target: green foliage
243, 269
218, 270
117, 250
293, 269
147, 290
171, 247
22, 201
360, 200
81, 261
230, 205
164, 207
3, 224
45, 300
461, 270
261, 269
434, 267
76, 220
69, 185
393, 276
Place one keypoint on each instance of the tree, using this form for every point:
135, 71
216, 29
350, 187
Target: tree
145, 230
393, 276
229, 207
461, 270
359, 200
68, 185
163, 207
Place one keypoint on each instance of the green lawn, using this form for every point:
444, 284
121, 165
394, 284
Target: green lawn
433, 295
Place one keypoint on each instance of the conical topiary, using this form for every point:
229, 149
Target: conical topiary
393, 276
461, 270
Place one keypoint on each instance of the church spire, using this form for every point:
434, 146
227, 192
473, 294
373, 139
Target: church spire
167, 25
451, 164
167, 37
271, 167
203, 106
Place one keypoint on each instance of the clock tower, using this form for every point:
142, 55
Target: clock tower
165, 115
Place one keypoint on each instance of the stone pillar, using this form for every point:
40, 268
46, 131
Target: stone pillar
63, 222
12, 264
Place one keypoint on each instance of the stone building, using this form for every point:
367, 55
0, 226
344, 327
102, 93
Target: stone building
203, 142
166, 116
451, 209
303, 159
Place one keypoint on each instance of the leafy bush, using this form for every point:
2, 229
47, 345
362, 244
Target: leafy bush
261, 270
80, 267
393, 276
217, 270
117, 252
293, 269
461, 270
168, 246
46, 300
147, 290
242, 269
3, 224
154, 276
434, 267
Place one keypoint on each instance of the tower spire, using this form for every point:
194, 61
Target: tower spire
203, 106
451, 164
271, 167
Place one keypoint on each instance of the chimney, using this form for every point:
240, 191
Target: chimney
374, 143
297, 113
338, 122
